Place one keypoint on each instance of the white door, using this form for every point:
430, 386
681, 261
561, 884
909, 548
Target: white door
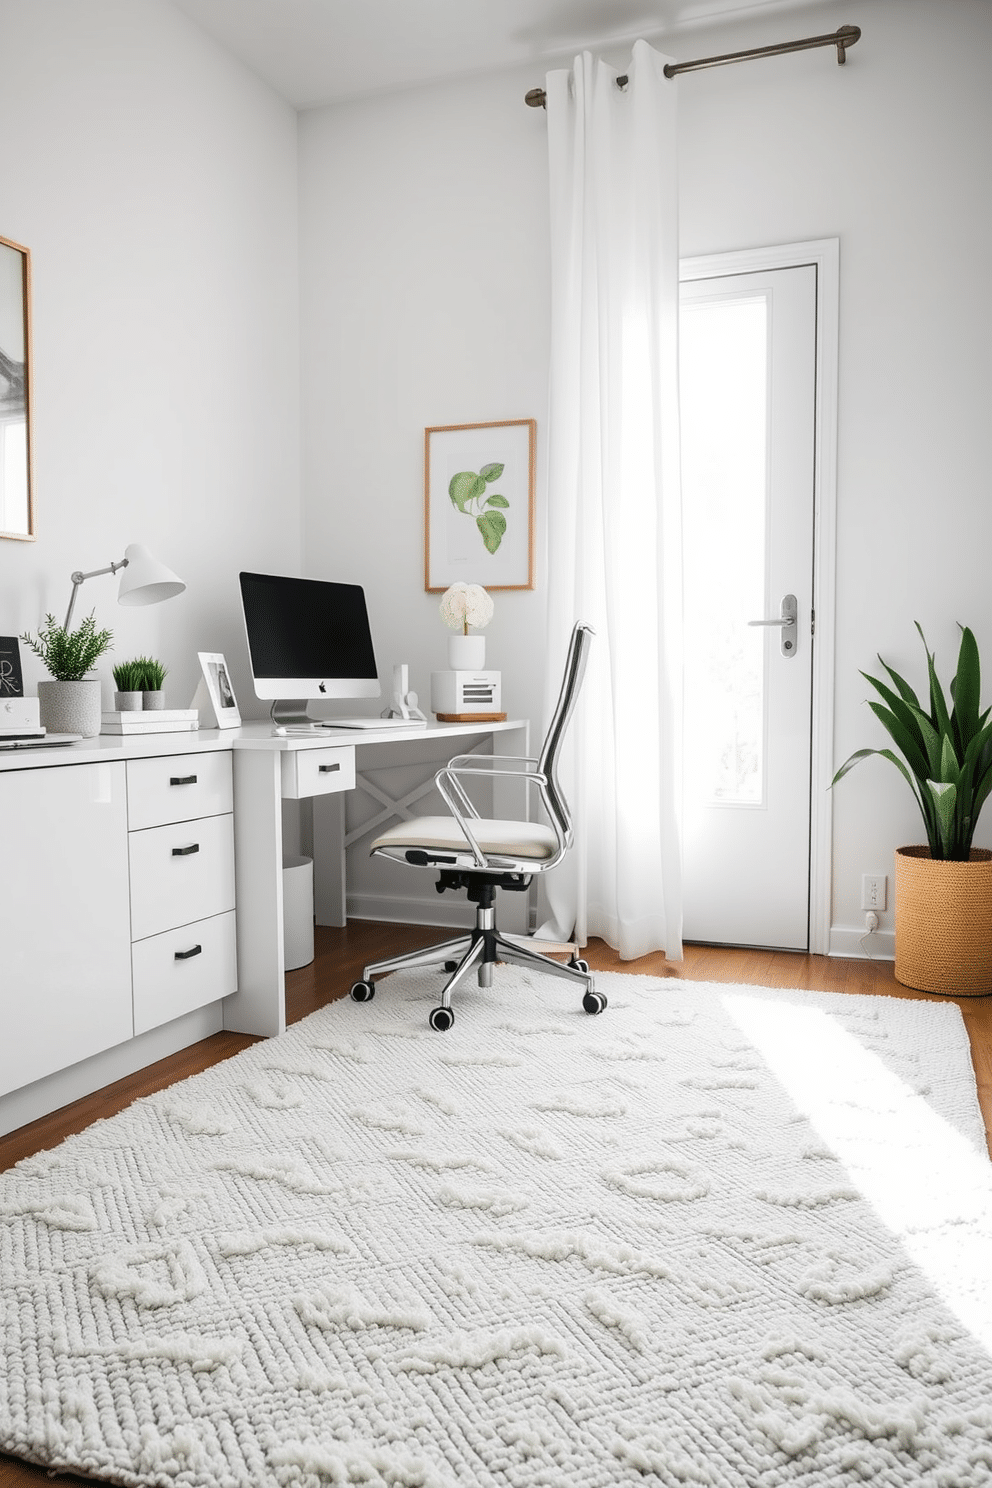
748, 401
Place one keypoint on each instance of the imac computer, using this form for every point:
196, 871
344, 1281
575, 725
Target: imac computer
310, 638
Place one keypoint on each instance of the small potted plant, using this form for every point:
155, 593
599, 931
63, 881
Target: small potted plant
465, 605
153, 674
70, 702
128, 681
943, 891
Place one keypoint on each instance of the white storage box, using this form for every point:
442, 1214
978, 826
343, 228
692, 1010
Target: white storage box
465, 692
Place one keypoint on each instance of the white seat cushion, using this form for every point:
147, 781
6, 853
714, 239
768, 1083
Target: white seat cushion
510, 839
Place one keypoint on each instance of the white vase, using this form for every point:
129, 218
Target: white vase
70, 707
466, 653
127, 702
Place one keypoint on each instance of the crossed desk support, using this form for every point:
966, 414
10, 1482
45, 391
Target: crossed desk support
337, 826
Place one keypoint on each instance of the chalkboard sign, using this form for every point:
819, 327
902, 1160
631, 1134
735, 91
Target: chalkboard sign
11, 682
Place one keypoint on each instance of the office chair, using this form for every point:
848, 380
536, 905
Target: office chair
482, 856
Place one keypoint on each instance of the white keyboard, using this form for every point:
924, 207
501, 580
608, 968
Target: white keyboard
372, 723
350, 725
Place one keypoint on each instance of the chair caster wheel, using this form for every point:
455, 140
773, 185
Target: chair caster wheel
451, 966
363, 991
594, 1002
578, 964
441, 1019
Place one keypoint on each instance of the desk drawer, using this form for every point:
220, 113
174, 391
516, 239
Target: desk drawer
180, 873
178, 787
317, 772
183, 969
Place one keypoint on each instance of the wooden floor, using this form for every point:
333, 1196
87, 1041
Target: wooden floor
340, 958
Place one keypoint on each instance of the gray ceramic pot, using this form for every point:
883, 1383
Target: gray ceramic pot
70, 707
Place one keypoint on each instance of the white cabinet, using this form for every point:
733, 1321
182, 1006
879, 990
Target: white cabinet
116, 908
65, 952
181, 849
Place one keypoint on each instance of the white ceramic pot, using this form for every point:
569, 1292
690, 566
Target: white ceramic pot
466, 653
153, 701
127, 702
70, 707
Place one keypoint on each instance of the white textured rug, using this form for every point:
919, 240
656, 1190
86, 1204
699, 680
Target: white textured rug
718, 1235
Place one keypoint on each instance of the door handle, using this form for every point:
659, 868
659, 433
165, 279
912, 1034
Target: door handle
787, 622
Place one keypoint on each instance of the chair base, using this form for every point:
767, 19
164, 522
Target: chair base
479, 950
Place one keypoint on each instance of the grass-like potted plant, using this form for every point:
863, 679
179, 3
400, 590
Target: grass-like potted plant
943, 891
129, 681
153, 675
70, 702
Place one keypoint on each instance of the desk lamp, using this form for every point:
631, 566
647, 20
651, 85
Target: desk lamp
144, 581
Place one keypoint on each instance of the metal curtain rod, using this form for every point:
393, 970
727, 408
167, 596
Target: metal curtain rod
842, 38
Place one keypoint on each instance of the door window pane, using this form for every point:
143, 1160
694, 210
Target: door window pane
723, 394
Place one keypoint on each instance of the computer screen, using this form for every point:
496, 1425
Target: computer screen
308, 638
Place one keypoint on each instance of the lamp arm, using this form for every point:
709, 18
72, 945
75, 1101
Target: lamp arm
78, 578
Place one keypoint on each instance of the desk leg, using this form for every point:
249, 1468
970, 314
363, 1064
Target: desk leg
510, 803
259, 1005
330, 904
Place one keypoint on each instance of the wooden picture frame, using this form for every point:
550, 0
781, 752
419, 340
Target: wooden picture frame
479, 504
219, 690
16, 456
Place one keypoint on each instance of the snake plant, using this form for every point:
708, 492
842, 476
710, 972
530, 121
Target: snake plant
946, 750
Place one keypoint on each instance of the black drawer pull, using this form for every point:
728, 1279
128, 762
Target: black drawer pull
329, 769
185, 955
182, 779
184, 852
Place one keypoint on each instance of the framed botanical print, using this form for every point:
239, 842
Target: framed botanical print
479, 504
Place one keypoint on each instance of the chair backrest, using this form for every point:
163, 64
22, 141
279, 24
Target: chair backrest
575, 666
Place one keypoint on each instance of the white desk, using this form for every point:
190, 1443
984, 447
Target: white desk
270, 768
80, 1004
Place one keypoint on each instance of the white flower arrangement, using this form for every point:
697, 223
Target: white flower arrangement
466, 604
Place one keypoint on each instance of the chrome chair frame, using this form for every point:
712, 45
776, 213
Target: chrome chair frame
471, 859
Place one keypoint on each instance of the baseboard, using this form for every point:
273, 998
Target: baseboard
846, 940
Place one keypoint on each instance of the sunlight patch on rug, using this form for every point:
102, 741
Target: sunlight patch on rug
717, 1236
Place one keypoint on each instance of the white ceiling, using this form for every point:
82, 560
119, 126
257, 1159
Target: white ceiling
320, 51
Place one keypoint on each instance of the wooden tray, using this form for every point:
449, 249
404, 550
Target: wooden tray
470, 717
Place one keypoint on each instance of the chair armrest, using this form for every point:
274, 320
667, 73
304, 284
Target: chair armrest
456, 799
459, 761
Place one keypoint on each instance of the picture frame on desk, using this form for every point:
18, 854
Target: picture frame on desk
11, 680
215, 692
479, 504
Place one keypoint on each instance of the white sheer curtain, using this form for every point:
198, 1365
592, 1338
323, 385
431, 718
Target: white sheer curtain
614, 530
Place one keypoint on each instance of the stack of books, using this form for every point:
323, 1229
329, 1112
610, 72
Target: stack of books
153, 721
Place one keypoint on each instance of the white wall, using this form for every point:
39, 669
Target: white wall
154, 181
425, 300
424, 249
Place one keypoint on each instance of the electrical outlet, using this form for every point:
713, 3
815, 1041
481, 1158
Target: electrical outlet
873, 886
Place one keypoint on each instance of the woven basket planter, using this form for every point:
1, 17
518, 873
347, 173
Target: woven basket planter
944, 923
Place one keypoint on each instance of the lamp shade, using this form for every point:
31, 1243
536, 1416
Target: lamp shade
145, 580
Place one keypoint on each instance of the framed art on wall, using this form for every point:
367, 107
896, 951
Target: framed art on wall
479, 504
16, 486
217, 680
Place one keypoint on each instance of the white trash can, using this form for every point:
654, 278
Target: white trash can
297, 911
